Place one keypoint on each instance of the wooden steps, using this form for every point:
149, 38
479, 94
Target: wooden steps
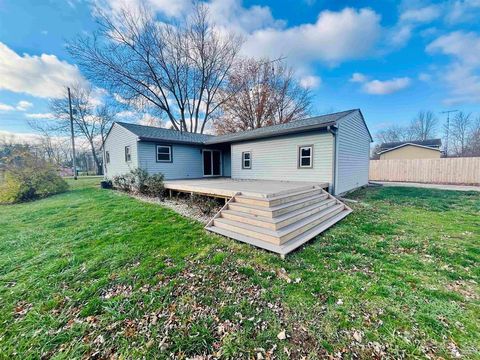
279, 223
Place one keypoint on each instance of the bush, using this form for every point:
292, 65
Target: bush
29, 178
139, 181
154, 186
123, 182
139, 177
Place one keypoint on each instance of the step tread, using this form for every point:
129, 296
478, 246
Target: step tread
289, 245
278, 197
299, 240
246, 239
283, 231
278, 207
279, 218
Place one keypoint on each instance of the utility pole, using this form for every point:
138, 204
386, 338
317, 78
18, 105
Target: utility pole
448, 128
73, 135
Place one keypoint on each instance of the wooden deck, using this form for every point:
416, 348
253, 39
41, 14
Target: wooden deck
277, 216
227, 187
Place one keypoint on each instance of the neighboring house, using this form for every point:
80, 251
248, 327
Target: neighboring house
418, 149
331, 148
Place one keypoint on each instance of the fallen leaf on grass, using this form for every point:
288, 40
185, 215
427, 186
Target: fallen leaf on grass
357, 336
282, 274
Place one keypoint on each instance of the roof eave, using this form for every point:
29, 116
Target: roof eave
409, 144
147, 139
278, 133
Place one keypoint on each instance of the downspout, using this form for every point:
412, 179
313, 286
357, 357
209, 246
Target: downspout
333, 130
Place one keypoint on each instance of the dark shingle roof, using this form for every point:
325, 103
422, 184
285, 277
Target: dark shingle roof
434, 143
275, 130
151, 133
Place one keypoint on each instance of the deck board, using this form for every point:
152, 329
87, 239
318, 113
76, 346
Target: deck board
227, 187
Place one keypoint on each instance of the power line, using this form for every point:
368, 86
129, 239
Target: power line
73, 135
448, 128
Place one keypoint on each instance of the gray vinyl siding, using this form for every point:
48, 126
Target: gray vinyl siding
186, 161
353, 153
115, 143
277, 158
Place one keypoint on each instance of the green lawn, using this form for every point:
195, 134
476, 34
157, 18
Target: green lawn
95, 273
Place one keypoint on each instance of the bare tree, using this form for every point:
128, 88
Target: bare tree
91, 120
394, 133
177, 70
261, 93
473, 141
459, 131
424, 126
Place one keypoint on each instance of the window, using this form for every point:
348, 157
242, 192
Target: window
246, 160
305, 156
164, 153
107, 157
128, 155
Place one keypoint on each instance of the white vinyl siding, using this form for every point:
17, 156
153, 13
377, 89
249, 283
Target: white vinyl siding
277, 158
117, 139
353, 153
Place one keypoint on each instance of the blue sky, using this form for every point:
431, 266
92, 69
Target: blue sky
388, 58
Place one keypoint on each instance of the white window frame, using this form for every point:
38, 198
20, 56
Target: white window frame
129, 157
170, 157
249, 160
301, 157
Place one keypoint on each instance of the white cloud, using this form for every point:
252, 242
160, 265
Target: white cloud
422, 15
411, 17
19, 138
335, 37
358, 77
378, 87
463, 11
424, 77
169, 7
5, 107
150, 120
23, 105
49, 116
399, 35
462, 75
232, 15
464, 46
310, 82
126, 114
42, 76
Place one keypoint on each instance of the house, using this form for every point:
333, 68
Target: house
332, 149
417, 149
273, 179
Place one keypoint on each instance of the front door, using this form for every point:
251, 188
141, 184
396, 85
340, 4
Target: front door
212, 163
